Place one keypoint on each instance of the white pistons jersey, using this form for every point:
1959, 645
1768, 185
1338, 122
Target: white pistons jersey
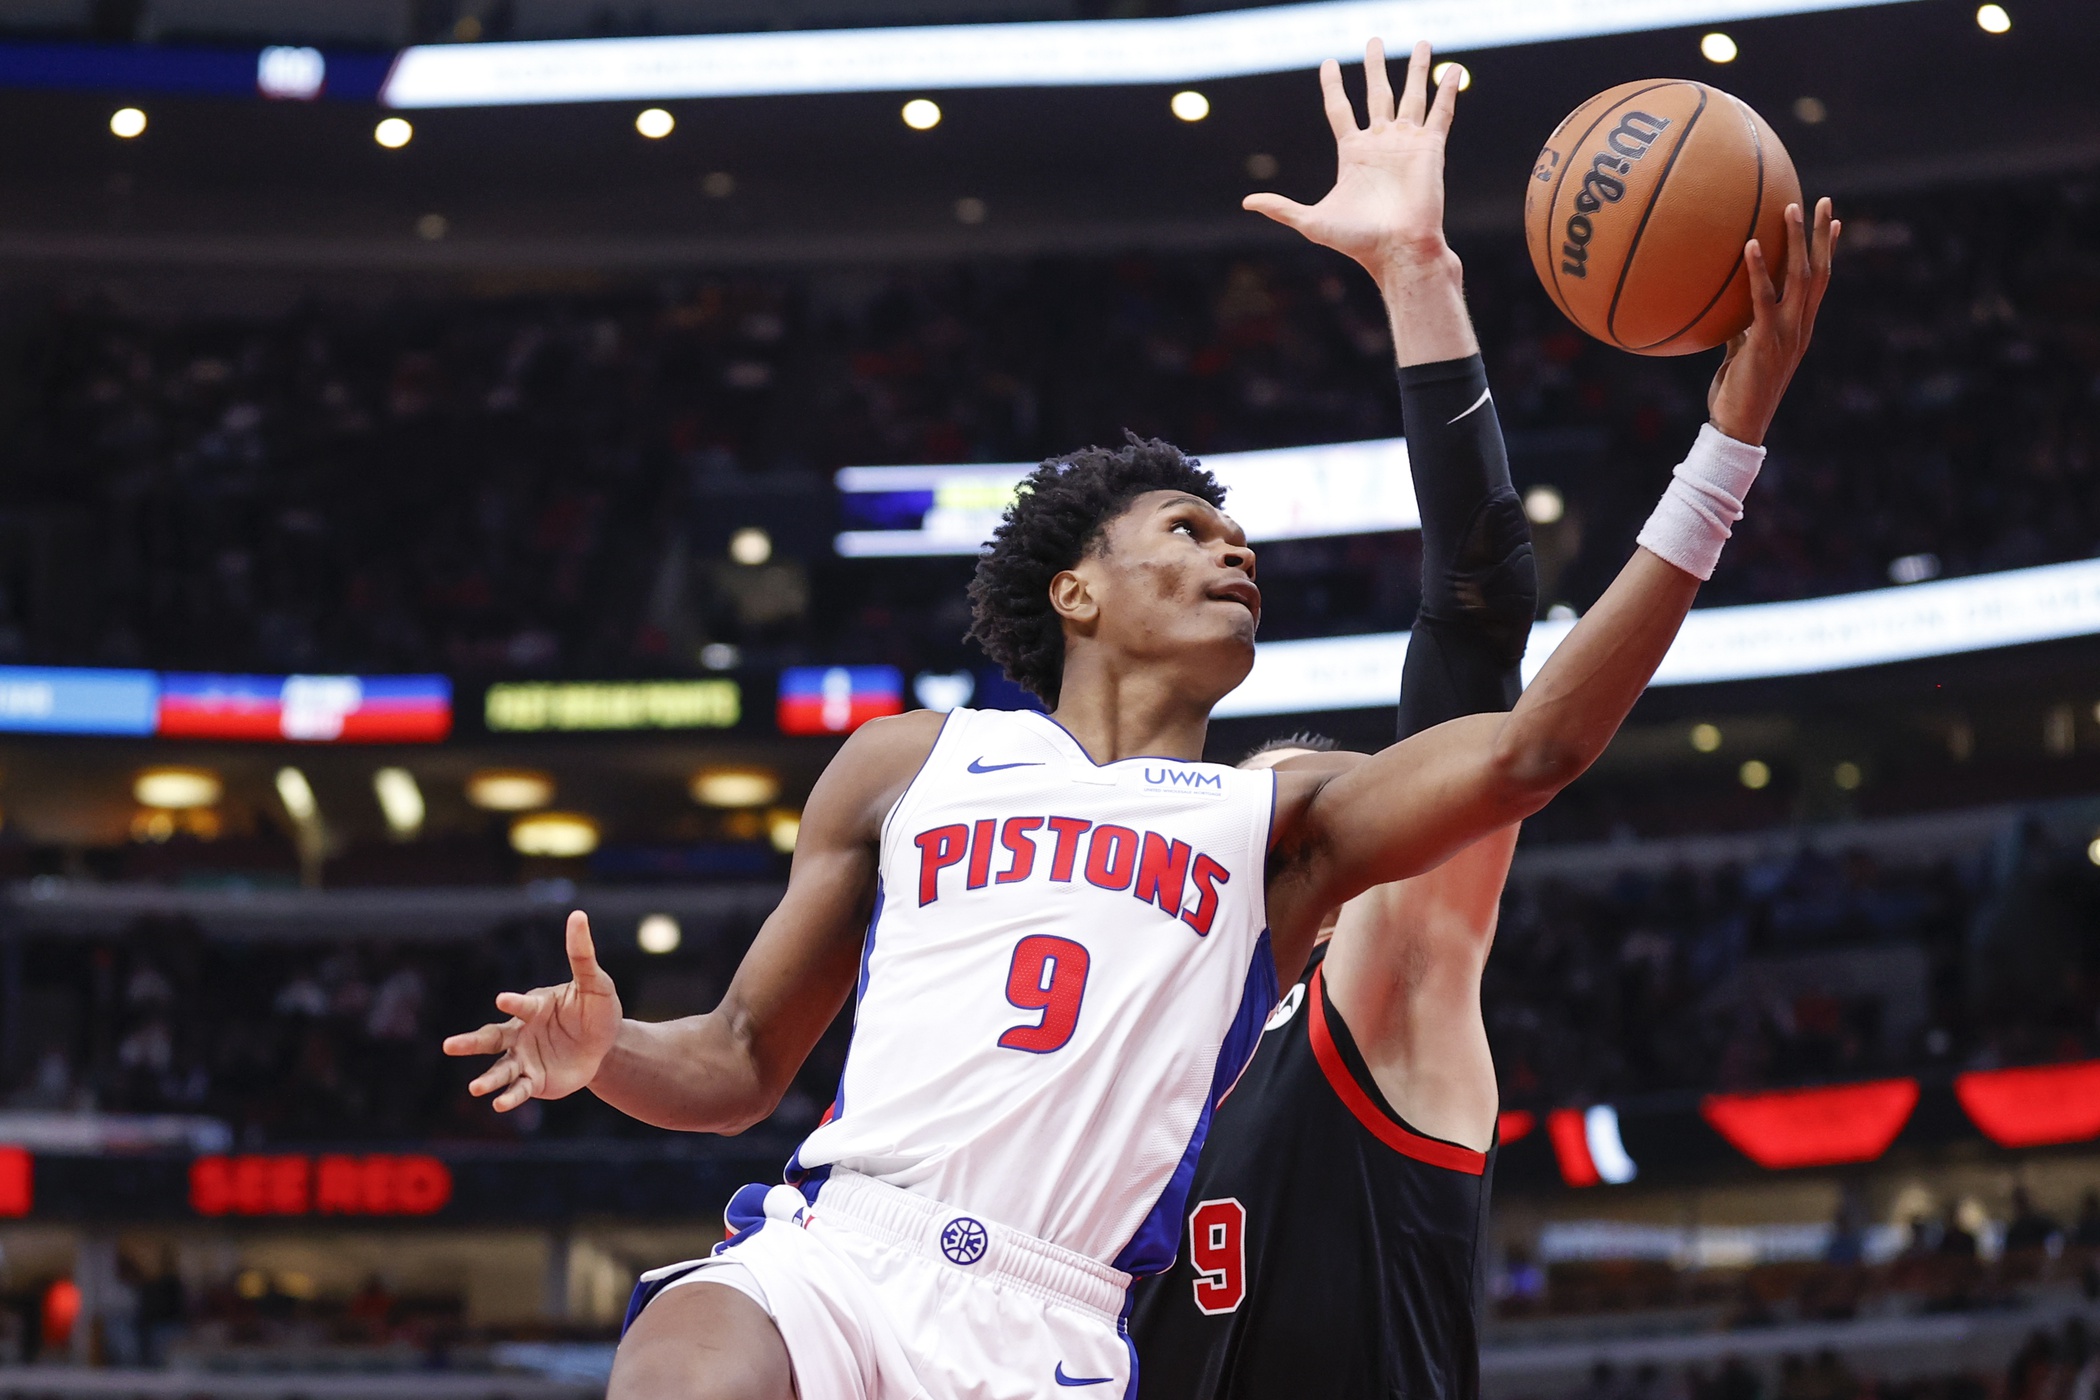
1067, 966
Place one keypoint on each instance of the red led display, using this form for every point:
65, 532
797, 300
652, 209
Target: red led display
1571, 1147
17, 1181
378, 1184
1814, 1127
2034, 1106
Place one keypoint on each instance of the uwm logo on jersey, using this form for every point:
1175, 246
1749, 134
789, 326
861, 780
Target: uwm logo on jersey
1157, 870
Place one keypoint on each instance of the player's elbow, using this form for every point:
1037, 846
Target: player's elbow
1531, 765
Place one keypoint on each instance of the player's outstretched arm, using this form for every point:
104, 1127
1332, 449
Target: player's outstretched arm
726, 1070
1386, 209
1414, 804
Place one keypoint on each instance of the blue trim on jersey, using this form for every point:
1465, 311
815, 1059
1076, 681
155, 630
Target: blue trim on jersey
1147, 757
1123, 1330
795, 1174
1152, 1249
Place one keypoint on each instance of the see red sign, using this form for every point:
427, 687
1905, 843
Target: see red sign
376, 1184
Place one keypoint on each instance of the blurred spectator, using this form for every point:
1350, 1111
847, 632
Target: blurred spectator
2029, 1229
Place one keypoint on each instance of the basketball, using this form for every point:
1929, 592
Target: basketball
1639, 207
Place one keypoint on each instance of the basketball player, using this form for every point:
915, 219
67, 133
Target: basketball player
1335, 1219
1065, 931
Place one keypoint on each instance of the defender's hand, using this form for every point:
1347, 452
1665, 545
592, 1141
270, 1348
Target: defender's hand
556, 1036
1761, 361
1386, 209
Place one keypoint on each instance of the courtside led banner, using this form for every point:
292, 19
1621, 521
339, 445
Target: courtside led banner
184, 705
1288, 493
532, 707
1058, 53
306, 709
837, 699
1759, 641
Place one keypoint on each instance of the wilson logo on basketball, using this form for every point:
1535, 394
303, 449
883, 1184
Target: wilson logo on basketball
1627, 143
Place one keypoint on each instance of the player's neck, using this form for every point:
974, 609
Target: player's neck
1116, 716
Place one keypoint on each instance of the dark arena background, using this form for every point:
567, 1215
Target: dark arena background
445, 481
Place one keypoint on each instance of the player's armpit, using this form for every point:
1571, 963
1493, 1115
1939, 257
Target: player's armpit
726, 1070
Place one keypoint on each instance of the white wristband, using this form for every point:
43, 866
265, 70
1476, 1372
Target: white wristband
1705, 497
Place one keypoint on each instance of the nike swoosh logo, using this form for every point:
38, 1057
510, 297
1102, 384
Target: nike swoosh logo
1063, 1379
978, 765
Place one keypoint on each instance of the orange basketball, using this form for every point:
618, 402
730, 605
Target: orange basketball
1639, 208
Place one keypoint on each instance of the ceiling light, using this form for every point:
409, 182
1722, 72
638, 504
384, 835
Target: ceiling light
393, 133
176, 788
1543, 505
127, 122
658, 933
297, 795
751, 545
560, 835
1718, 48
654, 123
970, 210
1847, 775
1755, 774
1446, 68
1706, 737
1992, 19
509, 789
2092, 851
400, 800
782, 829
1189, 105
1810, 111
431, 228
735, 787
922, 115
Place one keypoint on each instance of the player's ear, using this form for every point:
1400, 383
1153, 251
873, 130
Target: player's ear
1072, 596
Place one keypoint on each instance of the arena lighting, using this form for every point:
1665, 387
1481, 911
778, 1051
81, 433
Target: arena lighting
297, 795
1718, 48
1813, 1127
558, 835
1946, 617
1446, 69
1706, 738
1992, 19
1755, 774
1053, 53
751, 546
400, 802
177, 789
783, 829
734, 787
1544, 505
654, 123
1341, 488
509, 789
127, 122
2035, 1106
658, 933
393, 133
1189, 105
921, 115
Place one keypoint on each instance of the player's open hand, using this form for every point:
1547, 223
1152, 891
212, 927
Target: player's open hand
1761, 361
1386, 209
556, 1036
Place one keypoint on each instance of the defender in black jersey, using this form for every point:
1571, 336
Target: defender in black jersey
1333, 1242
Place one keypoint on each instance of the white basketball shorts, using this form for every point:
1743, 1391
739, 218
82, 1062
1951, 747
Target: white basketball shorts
881, 1294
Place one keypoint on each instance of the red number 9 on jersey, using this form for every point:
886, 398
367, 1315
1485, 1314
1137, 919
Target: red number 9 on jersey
1048, 975
1218, 1248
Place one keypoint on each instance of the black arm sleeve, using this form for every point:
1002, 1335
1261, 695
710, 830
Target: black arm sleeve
1479, 583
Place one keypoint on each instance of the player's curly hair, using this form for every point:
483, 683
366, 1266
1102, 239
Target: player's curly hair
1060, 516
